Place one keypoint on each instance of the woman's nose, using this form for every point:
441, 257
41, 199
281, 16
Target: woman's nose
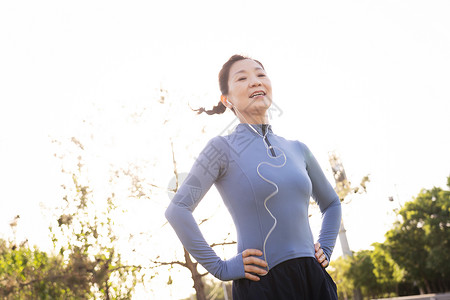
255, 82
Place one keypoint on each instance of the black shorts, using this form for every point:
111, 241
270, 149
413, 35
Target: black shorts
300, 278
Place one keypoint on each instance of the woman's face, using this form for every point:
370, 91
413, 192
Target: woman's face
249, 89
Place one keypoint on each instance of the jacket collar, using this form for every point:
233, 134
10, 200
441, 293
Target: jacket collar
258, 127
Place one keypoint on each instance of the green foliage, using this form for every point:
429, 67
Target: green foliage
420, 242
29, 273
416, 251
338, 270
363, 271
386, 270
84, 237
85, 263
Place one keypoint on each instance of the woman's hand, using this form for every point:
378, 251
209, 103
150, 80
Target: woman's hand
250, 261
320, 256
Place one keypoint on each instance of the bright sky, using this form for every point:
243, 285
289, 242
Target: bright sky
367, 78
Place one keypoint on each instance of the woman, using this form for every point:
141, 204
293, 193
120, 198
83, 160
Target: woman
266, 182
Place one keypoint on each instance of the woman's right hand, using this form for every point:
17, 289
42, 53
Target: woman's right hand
249, 264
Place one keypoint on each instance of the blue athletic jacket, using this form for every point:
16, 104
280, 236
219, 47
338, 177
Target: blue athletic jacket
279, 226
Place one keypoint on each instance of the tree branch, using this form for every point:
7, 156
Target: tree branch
50, 279
222, 244
125, 267
175, 171
203, 221
164, 263
204, 274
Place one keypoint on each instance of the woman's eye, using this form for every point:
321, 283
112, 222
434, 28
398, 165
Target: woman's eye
262, 75
241, 79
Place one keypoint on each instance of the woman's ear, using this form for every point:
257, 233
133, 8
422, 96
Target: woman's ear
225, 101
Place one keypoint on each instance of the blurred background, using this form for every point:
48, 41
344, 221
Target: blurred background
97, 132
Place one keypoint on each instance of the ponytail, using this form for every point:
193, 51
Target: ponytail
218, 109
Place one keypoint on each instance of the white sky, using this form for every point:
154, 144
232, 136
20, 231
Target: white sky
368, 78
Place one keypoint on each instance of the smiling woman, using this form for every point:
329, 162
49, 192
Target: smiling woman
266, 182
236, 66
250, 91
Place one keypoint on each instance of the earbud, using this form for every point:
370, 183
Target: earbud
223, 99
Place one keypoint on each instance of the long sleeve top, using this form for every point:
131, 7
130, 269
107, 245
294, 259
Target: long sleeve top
267, 194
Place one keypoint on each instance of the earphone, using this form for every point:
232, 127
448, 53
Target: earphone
223, 98
274, 192
266, 180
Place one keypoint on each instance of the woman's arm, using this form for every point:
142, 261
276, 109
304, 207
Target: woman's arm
328, 201
210, 165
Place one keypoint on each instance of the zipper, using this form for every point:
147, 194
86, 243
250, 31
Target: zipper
270, 146
267, 139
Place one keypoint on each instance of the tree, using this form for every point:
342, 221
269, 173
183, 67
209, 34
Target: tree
386, 270
338, 269
83, 235
85, 263
189, 263
420, 242
27, 273
416, 252
355, 276
343, 189
361, 273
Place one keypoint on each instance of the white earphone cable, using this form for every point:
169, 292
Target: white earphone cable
267, 180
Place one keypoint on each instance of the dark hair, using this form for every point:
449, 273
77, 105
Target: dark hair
224, 75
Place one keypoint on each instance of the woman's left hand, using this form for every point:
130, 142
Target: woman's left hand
320, 256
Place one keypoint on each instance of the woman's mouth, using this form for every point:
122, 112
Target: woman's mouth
257, 94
